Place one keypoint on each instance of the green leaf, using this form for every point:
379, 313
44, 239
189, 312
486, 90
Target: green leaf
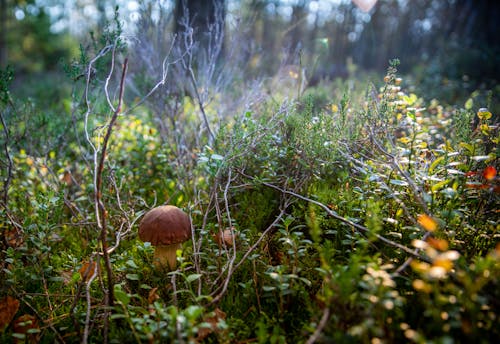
193, 312
217, 157
440, 185
435, 163
132, 264
117, 316
132, 277
398, 182
469, 103
470, 148
306, 281
192, 277
122, 297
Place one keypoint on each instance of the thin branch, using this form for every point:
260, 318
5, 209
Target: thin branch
330, 212
34, 310
322, 323
165, 71
264, 234
201, 105
393, 161
88, 298
10, 165
188, 67
98, 189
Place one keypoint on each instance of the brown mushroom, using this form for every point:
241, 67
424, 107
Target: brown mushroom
165, 227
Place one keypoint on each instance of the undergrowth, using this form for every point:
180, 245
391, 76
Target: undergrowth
368, 216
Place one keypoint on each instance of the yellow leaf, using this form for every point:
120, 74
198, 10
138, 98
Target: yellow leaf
439, 185
443, 263
483, 114
435, 163
420, 285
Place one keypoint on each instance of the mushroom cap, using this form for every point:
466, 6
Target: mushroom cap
165, 225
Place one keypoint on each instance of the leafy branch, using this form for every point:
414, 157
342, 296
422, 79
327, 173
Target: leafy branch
333, 214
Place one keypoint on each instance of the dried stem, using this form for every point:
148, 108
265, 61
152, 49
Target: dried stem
88, 298
98, 191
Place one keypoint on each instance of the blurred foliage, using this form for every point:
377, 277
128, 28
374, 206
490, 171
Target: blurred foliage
362, 210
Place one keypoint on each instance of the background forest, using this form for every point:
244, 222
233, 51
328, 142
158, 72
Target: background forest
338, 165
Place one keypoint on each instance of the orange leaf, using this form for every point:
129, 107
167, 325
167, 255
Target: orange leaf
443, 263
489, 173
153, 296
427, 222
8, 308
438, 244
87, 270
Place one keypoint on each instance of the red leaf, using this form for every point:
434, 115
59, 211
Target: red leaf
476, 186
489, 173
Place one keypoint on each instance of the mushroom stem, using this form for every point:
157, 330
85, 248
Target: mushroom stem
165, 256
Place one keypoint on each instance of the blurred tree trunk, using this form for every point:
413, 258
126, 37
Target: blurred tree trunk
101, 9
206, 18
3, 33
296, 33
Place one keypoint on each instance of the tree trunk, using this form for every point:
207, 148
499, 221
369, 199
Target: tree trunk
3, 33
206, 18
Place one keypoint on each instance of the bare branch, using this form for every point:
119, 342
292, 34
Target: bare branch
98, 189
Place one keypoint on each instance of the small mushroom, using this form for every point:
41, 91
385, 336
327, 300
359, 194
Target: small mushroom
165, 227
